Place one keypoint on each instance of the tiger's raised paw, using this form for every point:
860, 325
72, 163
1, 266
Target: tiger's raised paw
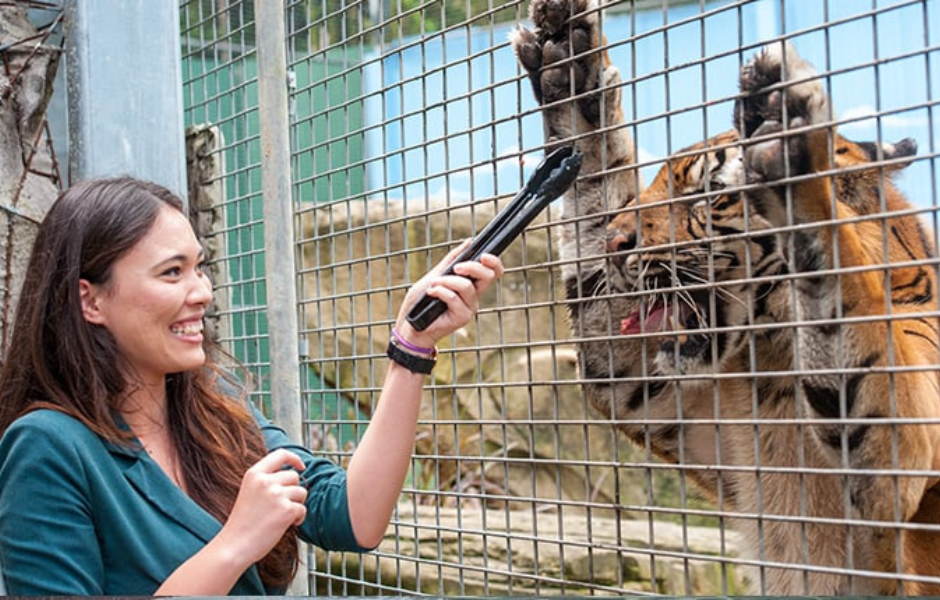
563, 56
776, 73
776, 85
781, 99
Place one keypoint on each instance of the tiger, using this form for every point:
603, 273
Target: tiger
763, 314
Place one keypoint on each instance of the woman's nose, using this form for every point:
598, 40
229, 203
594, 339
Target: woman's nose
201, 291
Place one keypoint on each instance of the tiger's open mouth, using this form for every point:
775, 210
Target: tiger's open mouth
682, 318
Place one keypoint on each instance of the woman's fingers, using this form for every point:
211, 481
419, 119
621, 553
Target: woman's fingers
270, 499
277, 475
450, 257
457, 292
281, 469
277, 461
460, 291
471, 279
482, 273
297, 494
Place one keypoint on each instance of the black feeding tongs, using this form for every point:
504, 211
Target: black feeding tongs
549, 181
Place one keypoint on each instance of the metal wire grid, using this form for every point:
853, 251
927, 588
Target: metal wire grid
516, 486
220, 89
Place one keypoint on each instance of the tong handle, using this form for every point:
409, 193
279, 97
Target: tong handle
551, 178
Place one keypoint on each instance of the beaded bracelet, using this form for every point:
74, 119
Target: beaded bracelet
432, 351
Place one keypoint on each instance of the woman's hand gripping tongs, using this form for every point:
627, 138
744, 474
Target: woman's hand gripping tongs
551, 178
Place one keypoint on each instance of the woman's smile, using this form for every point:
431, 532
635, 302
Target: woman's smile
154, 302
191, 329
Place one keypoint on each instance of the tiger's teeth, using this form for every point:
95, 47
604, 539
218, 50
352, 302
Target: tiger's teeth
675, 323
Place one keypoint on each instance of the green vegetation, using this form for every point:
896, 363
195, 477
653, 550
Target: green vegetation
330, 23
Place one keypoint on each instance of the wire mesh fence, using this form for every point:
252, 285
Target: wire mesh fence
700, 400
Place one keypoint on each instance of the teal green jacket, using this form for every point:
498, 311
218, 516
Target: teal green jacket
82, 516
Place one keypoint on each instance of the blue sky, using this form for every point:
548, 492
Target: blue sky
448, 123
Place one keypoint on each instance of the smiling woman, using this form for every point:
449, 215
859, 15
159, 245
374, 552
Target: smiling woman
156, 311
131, 462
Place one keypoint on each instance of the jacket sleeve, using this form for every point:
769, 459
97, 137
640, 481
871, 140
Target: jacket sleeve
327, 524
47, 535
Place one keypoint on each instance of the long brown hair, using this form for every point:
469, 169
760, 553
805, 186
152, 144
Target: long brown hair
64, 363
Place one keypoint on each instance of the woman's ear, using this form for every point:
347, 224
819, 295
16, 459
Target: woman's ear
89, 293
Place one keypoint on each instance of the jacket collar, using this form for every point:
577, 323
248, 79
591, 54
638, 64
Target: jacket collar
145, 475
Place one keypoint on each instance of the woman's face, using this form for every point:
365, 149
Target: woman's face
156, 299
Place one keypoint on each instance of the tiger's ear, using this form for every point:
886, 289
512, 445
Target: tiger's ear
906, 148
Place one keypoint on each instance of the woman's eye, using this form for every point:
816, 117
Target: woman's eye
172, 272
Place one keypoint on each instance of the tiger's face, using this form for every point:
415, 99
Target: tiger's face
693, 255
702, 261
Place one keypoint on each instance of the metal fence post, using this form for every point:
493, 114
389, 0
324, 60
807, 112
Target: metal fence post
125, 97
279, 258
278, 215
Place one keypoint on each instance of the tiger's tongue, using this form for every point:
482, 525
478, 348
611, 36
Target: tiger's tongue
658, 319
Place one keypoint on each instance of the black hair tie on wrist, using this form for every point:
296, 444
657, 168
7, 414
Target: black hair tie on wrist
413, 363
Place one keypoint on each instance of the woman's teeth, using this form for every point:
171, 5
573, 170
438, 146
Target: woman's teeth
187, 329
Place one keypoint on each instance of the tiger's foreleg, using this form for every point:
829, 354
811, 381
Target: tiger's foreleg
579, 90
859, 360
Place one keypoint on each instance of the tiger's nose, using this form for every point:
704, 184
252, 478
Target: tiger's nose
622, 238
622, 231
619, 242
